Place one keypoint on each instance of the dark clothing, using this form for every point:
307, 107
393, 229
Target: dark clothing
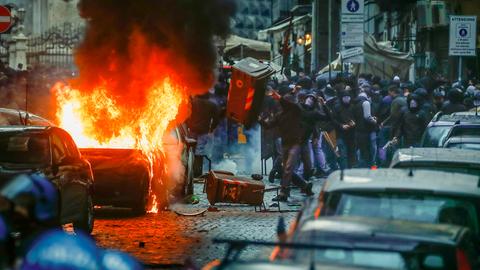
204, 117
365, 124
399, 103
345, 138
411, 127
449, 107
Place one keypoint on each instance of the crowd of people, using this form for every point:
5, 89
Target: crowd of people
351, 122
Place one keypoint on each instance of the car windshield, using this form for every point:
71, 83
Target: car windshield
435, 136
444, 167
362, 258
405, 206
24, 148
470, 146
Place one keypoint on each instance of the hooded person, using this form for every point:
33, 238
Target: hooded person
345, 128
292, 130
427, 104
366, 126
412, 124
455, 102
438, 98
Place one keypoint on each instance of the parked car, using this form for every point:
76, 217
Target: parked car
123, 177
233, 259
442, 127
52, 152
400, 194
463, 142
438, 159
383, 244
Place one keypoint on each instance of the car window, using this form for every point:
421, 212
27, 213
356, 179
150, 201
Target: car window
455, 168
70, 146
362, 258
465, 131
470, 146
435, 136
24, 149
404, 206
59, 151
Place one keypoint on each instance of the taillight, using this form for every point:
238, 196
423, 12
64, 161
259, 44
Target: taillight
462, 261
321, 198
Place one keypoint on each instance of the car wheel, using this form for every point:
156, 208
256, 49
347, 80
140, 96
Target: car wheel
87, 219
140, 207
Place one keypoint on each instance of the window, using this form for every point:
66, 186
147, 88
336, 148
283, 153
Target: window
408, 206
435, 136
59, 151
24, 149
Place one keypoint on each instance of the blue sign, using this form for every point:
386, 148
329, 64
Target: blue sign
353, 6
463, 32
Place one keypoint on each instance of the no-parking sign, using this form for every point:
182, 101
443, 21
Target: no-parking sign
463, 36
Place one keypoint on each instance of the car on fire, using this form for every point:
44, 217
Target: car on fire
124, 177
438, 159
50, 151
400, 194
444, 126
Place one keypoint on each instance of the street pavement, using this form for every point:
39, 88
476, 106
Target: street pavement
168, 240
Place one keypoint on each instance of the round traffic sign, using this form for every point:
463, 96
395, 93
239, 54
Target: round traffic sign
463, 32
353, 5
5, 19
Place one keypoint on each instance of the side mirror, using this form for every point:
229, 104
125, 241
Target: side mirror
190, 142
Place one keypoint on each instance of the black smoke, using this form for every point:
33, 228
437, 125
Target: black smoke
183, 28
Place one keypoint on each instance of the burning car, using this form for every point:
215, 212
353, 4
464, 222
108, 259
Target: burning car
52, 152
125, 177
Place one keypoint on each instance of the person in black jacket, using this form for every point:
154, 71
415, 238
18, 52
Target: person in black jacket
345, 126
292, 127
366, 125
454, 103
413, 123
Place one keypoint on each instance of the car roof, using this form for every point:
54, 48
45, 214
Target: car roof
440, 155
5, 129
286, 265
14, 117
464, 139
461, 117
389, 234
422, 181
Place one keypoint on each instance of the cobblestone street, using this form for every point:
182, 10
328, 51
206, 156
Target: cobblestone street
167, 240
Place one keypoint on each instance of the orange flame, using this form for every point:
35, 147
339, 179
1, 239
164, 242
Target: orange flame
153, 102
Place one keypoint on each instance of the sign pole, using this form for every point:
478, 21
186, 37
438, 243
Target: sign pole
329, 40
460, 69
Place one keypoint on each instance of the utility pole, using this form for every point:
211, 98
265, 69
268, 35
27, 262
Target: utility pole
315, 34
329, 40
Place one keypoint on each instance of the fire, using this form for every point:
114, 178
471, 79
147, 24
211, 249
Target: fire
151, 100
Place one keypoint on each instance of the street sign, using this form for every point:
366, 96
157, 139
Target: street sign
352, 11
352, 34
353, 55
5, 19
353, 7
463, 36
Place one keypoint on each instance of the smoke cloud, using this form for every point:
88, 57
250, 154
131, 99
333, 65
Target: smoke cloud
182, 29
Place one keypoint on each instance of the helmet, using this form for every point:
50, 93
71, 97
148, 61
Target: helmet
56, 250
422, 93
117, 260
439, 92
455, 95
4, 237
41, 196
